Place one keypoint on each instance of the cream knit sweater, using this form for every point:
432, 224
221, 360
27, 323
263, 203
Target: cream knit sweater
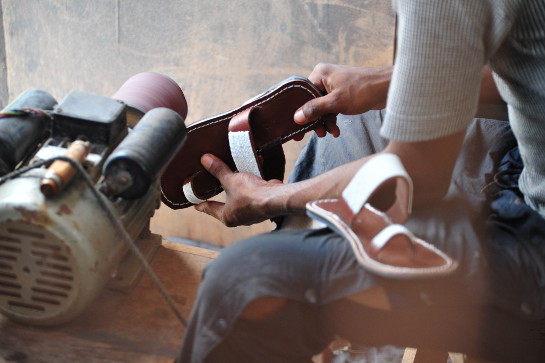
442, 48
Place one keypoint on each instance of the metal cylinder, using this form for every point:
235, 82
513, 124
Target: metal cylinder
148, 90
142, 156
19, 135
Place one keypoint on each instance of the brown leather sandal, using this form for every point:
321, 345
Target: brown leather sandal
248, 139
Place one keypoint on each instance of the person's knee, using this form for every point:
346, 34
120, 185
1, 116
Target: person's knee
263, 308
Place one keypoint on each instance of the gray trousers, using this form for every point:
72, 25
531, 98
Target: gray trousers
472, 311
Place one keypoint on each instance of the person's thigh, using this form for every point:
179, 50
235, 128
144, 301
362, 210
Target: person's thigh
311, 267
315, 268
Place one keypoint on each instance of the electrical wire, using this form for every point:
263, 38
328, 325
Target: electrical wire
118, 226
23, 111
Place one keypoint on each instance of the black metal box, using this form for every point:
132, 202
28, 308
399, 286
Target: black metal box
98, 119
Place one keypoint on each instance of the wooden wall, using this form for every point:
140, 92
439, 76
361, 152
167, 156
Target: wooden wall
220, 52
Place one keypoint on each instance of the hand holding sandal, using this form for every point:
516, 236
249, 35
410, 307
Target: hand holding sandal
248, 139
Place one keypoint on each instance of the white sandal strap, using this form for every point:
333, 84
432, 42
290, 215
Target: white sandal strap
384, 236
370, 176
243, 155
242, 152
190, 194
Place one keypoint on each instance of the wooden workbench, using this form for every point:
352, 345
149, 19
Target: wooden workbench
137, 326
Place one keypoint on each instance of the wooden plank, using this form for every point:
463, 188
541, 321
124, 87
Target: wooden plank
133, 327
192, 250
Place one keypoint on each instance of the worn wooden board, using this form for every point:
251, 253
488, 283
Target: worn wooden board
118, 327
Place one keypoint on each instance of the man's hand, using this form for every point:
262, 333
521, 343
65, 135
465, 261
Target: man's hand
248, 197
350, 91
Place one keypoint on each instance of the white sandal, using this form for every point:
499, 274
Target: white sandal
368, 215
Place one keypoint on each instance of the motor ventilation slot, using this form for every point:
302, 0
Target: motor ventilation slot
53, 266
54, 256
9, 293
57, 276
20, 304
10, 284
25, 233
54, 284
36, 274
49, 292
7, 257
45, 300
9, 249
8, 275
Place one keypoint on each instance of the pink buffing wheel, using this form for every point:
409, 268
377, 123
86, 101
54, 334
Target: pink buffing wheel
146, 91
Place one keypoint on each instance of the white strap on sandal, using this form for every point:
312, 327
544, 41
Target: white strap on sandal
385, 235
370, 176
190, 194
243, 153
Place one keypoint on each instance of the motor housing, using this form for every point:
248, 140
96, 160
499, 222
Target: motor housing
59, 249
55, 254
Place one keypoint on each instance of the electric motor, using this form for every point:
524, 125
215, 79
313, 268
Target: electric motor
61, 233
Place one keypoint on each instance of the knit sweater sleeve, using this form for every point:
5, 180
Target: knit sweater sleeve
442, 47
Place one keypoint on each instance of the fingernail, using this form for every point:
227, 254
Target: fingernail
206, 161
299, 117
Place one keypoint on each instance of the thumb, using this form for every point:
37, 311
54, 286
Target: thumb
212, 208
215, 166
313, 110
